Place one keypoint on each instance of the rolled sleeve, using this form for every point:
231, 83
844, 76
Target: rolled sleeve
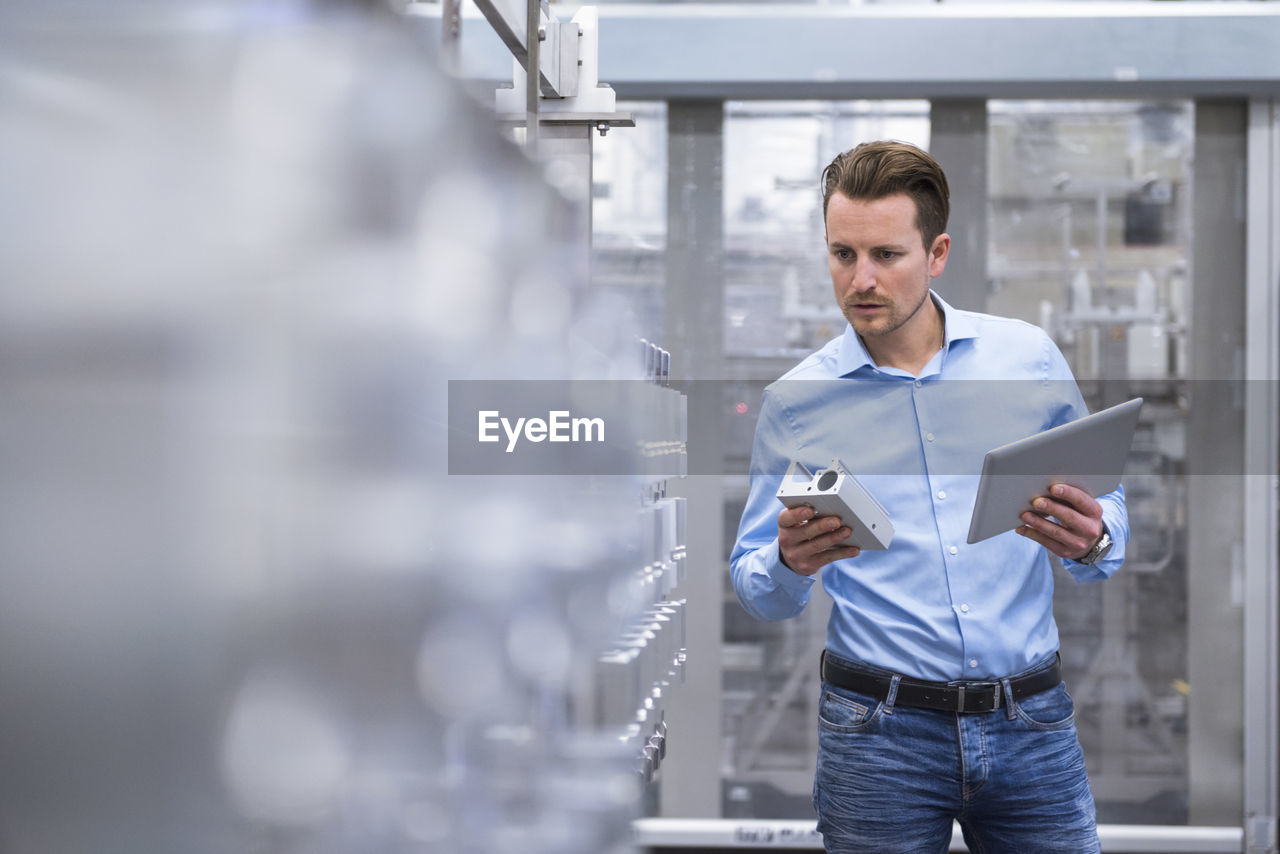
766, 587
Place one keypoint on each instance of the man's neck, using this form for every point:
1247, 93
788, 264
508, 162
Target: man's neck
913, 346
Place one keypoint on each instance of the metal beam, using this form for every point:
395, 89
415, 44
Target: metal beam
722, 834
1000, 50
987, 51
507, 17
1215, 435
694, 322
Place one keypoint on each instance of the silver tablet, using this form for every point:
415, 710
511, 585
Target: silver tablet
1088, 453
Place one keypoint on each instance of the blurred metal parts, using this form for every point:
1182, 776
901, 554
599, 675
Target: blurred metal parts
245, 246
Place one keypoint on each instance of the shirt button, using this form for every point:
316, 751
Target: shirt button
929, 436
918, 383
942, 493
954, 550
973, 662
964, 608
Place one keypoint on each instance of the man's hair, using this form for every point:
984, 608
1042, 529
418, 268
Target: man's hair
874, 170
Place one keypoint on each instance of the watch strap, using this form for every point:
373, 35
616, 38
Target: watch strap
1099, 550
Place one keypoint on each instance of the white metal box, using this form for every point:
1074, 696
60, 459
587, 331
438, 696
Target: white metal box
834, 491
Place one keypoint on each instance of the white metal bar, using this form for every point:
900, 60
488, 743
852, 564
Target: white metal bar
624, 119
802, 836
975, 11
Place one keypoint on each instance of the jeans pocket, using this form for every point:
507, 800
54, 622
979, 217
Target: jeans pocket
1049, 710
846, 712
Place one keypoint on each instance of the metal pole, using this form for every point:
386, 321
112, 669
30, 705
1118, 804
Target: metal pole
959, 141
567, 149
533, 38
1262, 484
695, 312
1103, 290
1215, 440
451, 36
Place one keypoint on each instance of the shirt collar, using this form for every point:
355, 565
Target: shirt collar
957, 326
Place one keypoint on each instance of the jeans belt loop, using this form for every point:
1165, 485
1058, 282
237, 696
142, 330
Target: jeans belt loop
1007, 688
893, 694
960, 698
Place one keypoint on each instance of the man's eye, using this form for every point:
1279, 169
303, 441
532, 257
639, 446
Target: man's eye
885, 254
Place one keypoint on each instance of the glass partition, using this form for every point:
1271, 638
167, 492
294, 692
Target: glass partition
1089, 237
629, 212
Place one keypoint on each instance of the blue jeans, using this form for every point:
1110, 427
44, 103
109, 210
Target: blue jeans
890, 780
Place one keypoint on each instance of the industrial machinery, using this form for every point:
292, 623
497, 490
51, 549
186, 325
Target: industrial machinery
247, 249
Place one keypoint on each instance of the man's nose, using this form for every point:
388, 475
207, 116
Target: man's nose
864, 278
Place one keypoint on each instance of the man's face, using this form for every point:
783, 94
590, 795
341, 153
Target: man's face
879, 266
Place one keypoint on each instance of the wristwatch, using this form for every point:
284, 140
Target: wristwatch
1099, 550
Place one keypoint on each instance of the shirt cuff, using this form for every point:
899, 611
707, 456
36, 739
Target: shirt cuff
783, 575
1104, 568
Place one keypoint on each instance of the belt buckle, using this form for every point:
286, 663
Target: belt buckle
961, 687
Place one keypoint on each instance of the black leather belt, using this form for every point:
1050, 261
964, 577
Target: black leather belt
947, 696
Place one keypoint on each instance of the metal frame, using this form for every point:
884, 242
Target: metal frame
1262, 482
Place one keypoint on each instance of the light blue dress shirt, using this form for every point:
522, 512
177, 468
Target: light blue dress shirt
931, 606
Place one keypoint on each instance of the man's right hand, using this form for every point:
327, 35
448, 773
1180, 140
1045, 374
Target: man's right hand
808, 544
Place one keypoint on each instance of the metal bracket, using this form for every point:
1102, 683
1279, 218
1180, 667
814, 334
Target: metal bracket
557, 55
1260, 835
570, 69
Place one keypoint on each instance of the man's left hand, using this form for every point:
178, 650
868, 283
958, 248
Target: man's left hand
1078, 522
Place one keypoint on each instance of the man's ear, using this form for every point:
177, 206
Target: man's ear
938, 255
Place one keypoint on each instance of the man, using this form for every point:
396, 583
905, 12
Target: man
941, 693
